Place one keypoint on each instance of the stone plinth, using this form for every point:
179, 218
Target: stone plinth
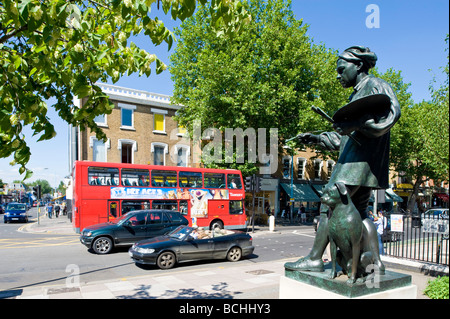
318, 285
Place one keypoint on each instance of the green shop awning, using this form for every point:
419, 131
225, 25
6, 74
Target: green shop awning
389, 196
301, 192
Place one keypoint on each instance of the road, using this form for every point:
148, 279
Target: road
31, 260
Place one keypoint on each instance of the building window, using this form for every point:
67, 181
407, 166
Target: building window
182, 159
286, 167
159, 151
158, 156
100, 120
317, 168
99, 149
301, 163
126, 153
268, 165
330, 167
127, 116
181, 130
159, 118
181, 155
127, 148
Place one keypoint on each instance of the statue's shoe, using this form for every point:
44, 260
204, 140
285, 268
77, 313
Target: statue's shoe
305, 264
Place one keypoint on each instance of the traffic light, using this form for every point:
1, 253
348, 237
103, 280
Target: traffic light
248, 184
37, 191
257, 183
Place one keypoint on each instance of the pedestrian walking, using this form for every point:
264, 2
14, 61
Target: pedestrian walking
49, 210
303, 214
380, 223
57, 210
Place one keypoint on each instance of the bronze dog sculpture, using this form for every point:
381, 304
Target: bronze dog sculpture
346, 232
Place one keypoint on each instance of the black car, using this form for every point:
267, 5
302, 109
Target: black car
130, 228
189, 244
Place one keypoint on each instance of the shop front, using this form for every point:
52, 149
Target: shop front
299, 195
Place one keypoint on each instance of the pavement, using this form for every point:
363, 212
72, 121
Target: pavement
236, 281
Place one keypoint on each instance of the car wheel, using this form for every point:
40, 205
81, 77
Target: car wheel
102, 245
234, 254
166, 260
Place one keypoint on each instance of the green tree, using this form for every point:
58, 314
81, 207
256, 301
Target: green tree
268, 76
60, 49
61, 188
420, 139
46, 188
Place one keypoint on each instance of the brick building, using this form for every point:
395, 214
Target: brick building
140, 130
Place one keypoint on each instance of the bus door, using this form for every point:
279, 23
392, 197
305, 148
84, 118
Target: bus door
113, 209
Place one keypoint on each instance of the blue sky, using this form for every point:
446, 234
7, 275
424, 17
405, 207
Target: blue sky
410, 39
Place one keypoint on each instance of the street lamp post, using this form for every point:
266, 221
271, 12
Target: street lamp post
291, 199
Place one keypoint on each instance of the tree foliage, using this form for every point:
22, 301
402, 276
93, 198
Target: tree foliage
420, 139
268, 76
60, 49
46, 188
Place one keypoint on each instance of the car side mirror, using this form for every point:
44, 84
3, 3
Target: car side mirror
126, 223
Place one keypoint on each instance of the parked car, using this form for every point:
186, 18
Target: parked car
15, 212
435, 213
181, 246
435, 221
130, 228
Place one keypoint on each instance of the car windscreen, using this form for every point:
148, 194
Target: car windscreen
121, 218
180, 232
16, 207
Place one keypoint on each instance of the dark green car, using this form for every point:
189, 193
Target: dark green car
130, 228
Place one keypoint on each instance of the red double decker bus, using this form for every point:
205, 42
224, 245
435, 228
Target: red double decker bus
207, 197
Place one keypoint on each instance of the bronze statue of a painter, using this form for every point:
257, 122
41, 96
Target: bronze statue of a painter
363, 163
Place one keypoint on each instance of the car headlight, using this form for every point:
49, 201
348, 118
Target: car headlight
144, 250
87, 233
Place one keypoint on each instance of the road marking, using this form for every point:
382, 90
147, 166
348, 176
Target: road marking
38, 242
295, 232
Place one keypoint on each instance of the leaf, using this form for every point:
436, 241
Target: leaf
17, 61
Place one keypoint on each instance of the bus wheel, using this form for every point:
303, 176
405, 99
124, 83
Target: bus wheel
166, 260
234, 254
216, 224
102, 245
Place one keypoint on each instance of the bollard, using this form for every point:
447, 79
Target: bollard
271, 223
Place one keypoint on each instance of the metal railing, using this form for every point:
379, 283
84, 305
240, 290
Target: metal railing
422, 237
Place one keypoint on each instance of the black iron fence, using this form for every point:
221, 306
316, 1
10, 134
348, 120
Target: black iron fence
421, 237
